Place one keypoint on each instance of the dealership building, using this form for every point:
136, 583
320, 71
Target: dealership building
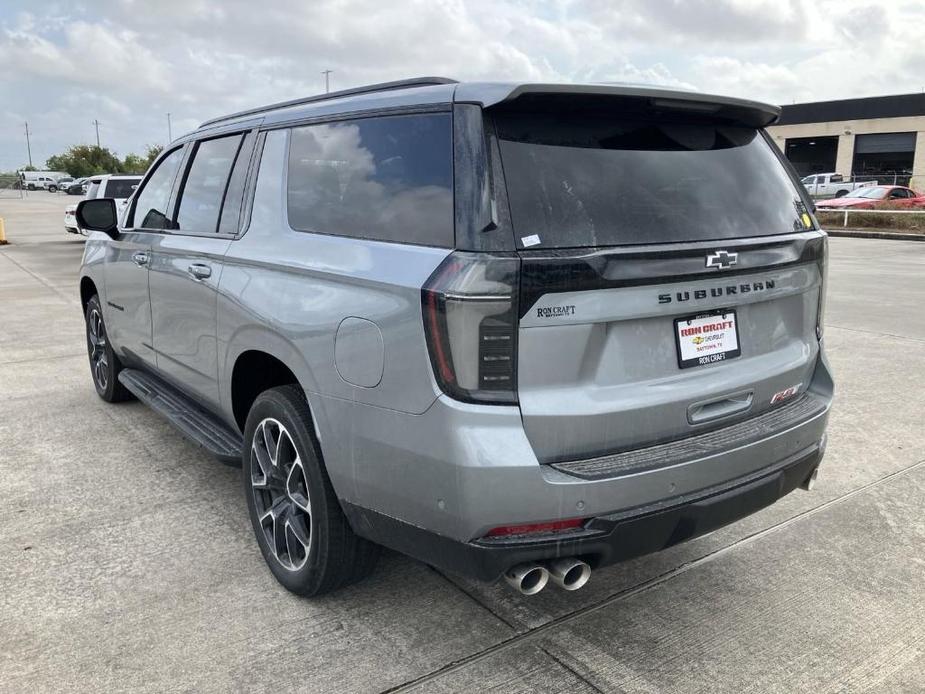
880, 138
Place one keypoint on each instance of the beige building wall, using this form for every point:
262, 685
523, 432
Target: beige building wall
847, 129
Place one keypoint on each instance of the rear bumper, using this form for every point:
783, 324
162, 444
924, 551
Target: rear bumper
431, 485
606, 539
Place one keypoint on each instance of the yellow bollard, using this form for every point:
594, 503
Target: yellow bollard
2, 233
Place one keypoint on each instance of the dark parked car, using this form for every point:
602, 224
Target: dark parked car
77, 187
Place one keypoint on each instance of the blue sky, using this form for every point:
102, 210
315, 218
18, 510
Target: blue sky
130, 62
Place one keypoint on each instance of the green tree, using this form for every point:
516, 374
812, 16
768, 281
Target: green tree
135, 164
85, 160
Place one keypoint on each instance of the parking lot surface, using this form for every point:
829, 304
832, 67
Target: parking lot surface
127, 561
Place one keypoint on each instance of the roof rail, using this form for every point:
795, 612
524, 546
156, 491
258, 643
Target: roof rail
368, 89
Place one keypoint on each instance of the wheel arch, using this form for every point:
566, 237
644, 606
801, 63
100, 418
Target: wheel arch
253, 372
87, 290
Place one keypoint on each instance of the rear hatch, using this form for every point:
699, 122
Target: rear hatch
670, 276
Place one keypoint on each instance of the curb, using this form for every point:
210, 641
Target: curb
865, 234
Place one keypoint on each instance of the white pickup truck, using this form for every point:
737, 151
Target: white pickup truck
832, 185
41, 180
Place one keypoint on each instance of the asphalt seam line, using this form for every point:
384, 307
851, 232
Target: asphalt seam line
565, 666
41, 359
874, 332
654, 582
473, 598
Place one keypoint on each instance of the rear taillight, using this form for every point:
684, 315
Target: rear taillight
470, 320
824, 274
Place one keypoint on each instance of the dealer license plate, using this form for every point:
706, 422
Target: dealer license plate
707, 338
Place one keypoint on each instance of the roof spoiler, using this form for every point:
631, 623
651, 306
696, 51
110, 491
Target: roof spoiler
751, 113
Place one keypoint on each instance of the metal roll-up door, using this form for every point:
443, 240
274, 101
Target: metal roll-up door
884, 142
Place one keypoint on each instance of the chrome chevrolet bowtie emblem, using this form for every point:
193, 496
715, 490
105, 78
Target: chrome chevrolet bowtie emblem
722, 259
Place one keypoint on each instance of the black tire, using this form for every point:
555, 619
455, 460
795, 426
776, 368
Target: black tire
335, 556
841, 193
31, 186
52, 189
104, 364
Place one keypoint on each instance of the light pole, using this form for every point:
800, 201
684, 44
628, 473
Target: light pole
327, 80
28, 144
169, 134
96, 123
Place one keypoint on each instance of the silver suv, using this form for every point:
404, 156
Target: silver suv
519, 330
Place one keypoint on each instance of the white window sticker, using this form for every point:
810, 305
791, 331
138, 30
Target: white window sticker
528, 241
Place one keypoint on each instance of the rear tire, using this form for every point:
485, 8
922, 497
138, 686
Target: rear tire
104, 364
841, 193
302, 532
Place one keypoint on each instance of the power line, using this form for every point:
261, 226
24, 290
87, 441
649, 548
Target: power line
97, 124
327, 80
28, 144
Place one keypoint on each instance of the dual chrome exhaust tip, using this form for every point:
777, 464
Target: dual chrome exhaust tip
530, 578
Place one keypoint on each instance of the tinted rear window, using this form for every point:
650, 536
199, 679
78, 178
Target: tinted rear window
600, 181
120, 187
389, 179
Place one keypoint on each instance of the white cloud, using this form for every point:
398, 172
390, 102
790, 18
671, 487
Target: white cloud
129, 62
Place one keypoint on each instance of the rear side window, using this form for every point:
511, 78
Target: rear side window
234, 195
388, 179
205, 184
152, 200
120, 187
597, 180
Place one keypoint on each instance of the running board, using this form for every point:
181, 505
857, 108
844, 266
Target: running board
193, 421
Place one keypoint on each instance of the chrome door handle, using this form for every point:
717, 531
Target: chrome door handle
140, 258
199, 271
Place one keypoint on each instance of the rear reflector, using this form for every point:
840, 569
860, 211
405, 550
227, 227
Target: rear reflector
533, 528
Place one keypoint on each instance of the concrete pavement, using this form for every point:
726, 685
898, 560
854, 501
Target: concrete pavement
127, 561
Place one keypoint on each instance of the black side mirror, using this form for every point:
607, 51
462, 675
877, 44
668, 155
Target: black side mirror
98, 215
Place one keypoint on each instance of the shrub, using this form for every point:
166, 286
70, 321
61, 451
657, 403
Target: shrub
863, 219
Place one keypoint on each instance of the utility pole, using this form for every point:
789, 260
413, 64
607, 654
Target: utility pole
169, 135
28, 144
327, 80
97, 124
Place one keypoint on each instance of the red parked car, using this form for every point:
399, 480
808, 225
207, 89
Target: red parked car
876, 196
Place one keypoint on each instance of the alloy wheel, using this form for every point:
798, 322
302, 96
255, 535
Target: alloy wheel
281, 497
99, 362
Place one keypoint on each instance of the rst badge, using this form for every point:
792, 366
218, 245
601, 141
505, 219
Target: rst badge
785, 394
